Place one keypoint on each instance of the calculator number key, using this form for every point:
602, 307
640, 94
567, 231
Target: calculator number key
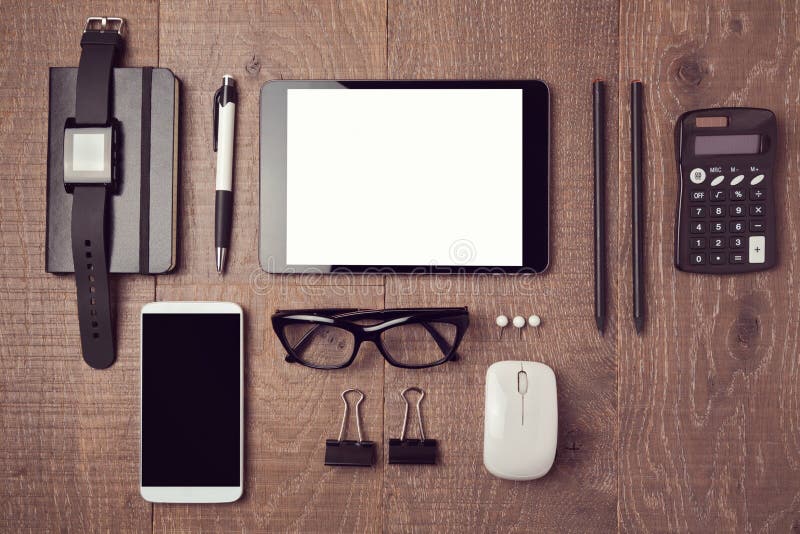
718, 211
697, 228
737, 227
697, 243
737, 243
697, 258
698, 212
737, 211
717, 228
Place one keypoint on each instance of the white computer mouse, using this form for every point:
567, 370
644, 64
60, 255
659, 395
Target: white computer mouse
520, 427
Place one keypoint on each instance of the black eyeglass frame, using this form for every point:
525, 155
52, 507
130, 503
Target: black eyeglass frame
345, 318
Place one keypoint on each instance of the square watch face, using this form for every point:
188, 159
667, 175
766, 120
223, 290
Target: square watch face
87, 152
87, 155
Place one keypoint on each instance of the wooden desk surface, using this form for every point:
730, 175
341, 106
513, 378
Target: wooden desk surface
694, 426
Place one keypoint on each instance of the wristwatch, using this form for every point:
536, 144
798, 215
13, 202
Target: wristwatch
91, 145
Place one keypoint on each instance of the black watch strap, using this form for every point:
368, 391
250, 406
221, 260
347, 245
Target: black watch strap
93, 96
100, 45
89, 253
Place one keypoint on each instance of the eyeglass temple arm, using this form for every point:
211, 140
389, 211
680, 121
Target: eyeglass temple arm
444, 346
301, 343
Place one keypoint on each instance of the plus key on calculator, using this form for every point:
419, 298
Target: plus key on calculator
725, 220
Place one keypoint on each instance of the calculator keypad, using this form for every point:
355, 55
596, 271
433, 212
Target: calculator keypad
727, 219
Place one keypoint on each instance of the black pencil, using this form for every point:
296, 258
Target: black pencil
599, 116
637, 204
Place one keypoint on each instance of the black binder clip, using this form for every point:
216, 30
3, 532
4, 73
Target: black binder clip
346, 452
412, 451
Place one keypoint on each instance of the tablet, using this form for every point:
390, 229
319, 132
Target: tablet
404, 176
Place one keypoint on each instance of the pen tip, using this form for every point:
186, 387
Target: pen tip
639, 322
220, 259
600, 322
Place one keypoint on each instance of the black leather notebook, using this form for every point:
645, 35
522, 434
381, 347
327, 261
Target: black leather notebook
142, 230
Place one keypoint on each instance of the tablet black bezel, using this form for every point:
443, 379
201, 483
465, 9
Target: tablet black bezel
535, 165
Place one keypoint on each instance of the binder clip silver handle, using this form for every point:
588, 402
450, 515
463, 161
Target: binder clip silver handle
350, 453
412, 451
419, 412
358, 412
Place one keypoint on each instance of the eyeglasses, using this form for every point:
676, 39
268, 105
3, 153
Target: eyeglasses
411, 338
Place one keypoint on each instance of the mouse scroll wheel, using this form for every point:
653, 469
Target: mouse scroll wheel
522, 382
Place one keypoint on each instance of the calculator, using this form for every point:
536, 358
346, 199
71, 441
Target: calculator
725, 221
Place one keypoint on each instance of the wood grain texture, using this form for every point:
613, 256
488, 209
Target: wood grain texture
290, 410
695, 426
567, 44
709, 396
69, 453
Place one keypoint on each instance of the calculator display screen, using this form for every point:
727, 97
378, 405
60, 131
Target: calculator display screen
712, 145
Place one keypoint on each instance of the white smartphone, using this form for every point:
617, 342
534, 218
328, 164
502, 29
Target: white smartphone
192, 424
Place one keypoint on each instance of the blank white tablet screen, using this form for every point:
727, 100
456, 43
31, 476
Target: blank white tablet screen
404, 177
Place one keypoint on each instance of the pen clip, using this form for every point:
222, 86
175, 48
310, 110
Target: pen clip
217, 99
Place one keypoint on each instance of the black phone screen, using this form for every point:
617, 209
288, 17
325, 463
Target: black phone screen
191, 399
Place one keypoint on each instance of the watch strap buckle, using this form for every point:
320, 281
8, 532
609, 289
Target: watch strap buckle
101, 24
